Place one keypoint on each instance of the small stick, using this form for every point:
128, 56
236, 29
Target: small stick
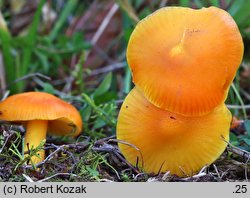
110, 148
238, 106
5, 142
6, 94
103, 26
30, 76
238, 151
28, 178
194, 176
108, 68
131, 145
55, 175
217, 172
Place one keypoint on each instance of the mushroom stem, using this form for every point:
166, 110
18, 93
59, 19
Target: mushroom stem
35, 134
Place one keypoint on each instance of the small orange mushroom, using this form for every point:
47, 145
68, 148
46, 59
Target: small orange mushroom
184, 60
168, 141
41, 112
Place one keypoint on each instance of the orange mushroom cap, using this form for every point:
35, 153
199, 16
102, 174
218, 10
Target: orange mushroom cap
168, 141
41, 112
184, 60
63, 118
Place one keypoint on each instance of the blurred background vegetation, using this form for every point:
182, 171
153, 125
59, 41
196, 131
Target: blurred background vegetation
77, 50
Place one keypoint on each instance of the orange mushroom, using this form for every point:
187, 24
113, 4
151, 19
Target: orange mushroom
169, 141
184, 60
41, 112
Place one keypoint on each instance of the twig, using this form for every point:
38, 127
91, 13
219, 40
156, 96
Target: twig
50, 156
200, 174
246, 169
29, 76
80, 24
103, 26
28, 178
127, 163
128, 8
103, 140
6, 94
224, 172
68, 84
59, 93
111, 149
5, 142
240, 152
238, 106
203, 169
138, 175
105, 180
55, 175
159, 171
195, 176
184, 172
105, 23
118, 102
108, 68
217, 172
152, 179
246, 94
102, 53
166, 175
163, 3
131, 145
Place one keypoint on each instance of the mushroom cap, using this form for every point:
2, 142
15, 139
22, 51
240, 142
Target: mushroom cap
168, 141
64, 119
184, 60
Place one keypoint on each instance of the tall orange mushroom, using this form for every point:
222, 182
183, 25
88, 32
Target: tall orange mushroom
41, 112
169, 141
183, 59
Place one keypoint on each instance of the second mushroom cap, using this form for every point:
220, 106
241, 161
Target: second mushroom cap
157, 140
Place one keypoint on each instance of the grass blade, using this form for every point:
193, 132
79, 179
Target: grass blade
240, 99
31, 38
69, 7
5, 39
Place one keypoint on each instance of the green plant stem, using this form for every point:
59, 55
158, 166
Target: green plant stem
9, 65
240, 100
102, 114
68, 8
